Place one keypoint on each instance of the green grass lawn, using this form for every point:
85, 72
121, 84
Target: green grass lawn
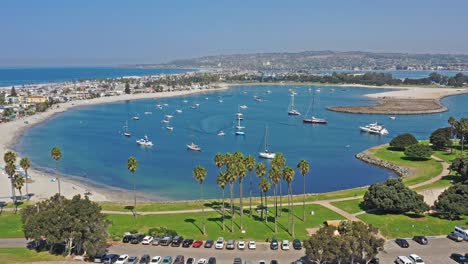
447, 156
350, 206
13, 255
190, 225
10, 225
393, 225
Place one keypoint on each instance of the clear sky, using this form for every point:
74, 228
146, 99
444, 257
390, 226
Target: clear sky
111, 32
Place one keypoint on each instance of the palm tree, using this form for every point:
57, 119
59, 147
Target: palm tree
462, 129
278, 162
219, 160
288, 175
231, 176
275, 177
260, 170
250, 164
452, 121
19, 183
264, 186
221, 181
242, 172
132, 166
303, 167
199, 173
10, 168
26, 164
56, 154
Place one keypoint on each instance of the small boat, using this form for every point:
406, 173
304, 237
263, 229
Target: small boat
165, 104
193, 107
168, 116
126, 133
178, 111
170, 128
137, 117
165, 121
184, 101
240, 133
374, 128
266, 154
291, 110
148, 113
193, 147
312, 119
221, 133
145, 142
206, 98
239, 128
159, 106
258, 99
392, 117
220, 100
269, 91
243, 107
318, 90
197, 105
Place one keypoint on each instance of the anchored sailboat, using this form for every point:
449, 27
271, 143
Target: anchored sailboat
239, 128
291, 110
126, 133
312, 119
266, 154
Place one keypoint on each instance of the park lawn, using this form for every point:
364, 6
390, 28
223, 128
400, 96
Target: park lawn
394, 225
350, 206
189, 225
10, 225
424, 170
154, 207
447, 156
13, 255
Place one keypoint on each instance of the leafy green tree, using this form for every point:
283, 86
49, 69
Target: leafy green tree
26, 164
13, 91
199, 173
324, 246
402, 141
56, 154
462, 129
452, 121
441, 138
460, 165
10, 168
453, 201
394, 197
132, 166
241, 173
303, 167
418, 151
221, 181
127, 88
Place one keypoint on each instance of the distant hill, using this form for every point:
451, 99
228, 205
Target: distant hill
324, 60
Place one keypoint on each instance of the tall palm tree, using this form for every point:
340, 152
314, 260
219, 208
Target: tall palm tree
26, 164
10, 168
278, 162
452, 121
260, 170
288, 175
242, 172
462, 129
132, 166
221, 181
231, 176
250, 164
219, 160
264, 186
275, 177
19, 183
199, 173
303, 167
56, 154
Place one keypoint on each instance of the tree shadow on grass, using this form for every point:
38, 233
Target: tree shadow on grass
192, 221
260, 219
452, 178
2, 204
414, 159
217, 220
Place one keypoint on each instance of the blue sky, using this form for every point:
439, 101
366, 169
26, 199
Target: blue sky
111, 32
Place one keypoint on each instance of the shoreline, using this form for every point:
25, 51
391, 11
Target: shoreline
72, 185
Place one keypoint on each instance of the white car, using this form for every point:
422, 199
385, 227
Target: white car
219, 243
416, 259
285, 245
241, 245
156, 260
147, 240
123, 259
202, 261
252, 245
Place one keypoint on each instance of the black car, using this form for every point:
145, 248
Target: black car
212, 260
187, 243
136, 239
421, 240
274, 244
274, 262
209, 243
99, 258
177, 241
127, 238
402, 242
179, 260
375, 260
237, 261
110, 258
145, 259
459, 258
297, 245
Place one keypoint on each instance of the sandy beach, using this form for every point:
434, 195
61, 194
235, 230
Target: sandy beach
43, 187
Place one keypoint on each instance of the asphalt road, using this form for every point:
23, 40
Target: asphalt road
13, 243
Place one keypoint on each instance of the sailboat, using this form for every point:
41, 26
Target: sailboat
291, 110
313, 119
239, 128
193, 147
266, 154
126, 133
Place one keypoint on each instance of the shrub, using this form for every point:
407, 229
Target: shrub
402, 141
440, 138
418, 151
161, 232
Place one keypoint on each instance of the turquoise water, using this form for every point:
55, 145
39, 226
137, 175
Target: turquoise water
94, 148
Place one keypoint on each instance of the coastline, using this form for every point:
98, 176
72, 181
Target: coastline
43, 187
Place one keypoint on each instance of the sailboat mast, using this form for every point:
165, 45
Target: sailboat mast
266, 135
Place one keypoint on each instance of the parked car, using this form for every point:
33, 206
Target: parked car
416, 259
122, 259
274, 244
252, 245
156, 241
212, 260
374, 260
147, 240
179, 259
110, 258
156, 260
219, 243
459, 258
190, 261
274, 261
137, 238
262, 262
132, 260
99, 258
166, 241
187, 243
127, 238
209, 243
197, 244
403, 260
285, 245
237, 261
231, 244
241, 245
145, 259
421, 240
177, 241
202, 261
167, 260
455, 237
297, 245
402, 242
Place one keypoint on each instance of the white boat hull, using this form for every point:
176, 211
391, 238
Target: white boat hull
266, 155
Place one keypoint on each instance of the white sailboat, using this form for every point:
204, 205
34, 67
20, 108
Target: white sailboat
291, 110
239, 128
313, 119
266, 154
126, 133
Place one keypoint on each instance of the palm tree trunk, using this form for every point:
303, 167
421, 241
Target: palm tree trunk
303, 198
26, 181
232, 207
276, 209
250, 196
266, 207
13, 192
224, 212
203, 209
289, 212
241, 207
292, 210
261, 204
281, 199
134, 192
463, 144
58, 178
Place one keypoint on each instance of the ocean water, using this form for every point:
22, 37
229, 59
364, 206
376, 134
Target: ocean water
20, 76
94, 148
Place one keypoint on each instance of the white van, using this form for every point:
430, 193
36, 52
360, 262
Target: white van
403, 260
461, 231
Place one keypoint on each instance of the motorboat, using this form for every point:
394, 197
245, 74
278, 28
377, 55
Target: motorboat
168, 116
165, 121
148, 113
314, 120
137, 117
392, 117
170, 128
145, 142
221, 133
193, 146
240, 133
374, 128
243, 107
185, 101
178, 111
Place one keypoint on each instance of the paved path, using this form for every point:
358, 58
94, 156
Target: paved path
12, 242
